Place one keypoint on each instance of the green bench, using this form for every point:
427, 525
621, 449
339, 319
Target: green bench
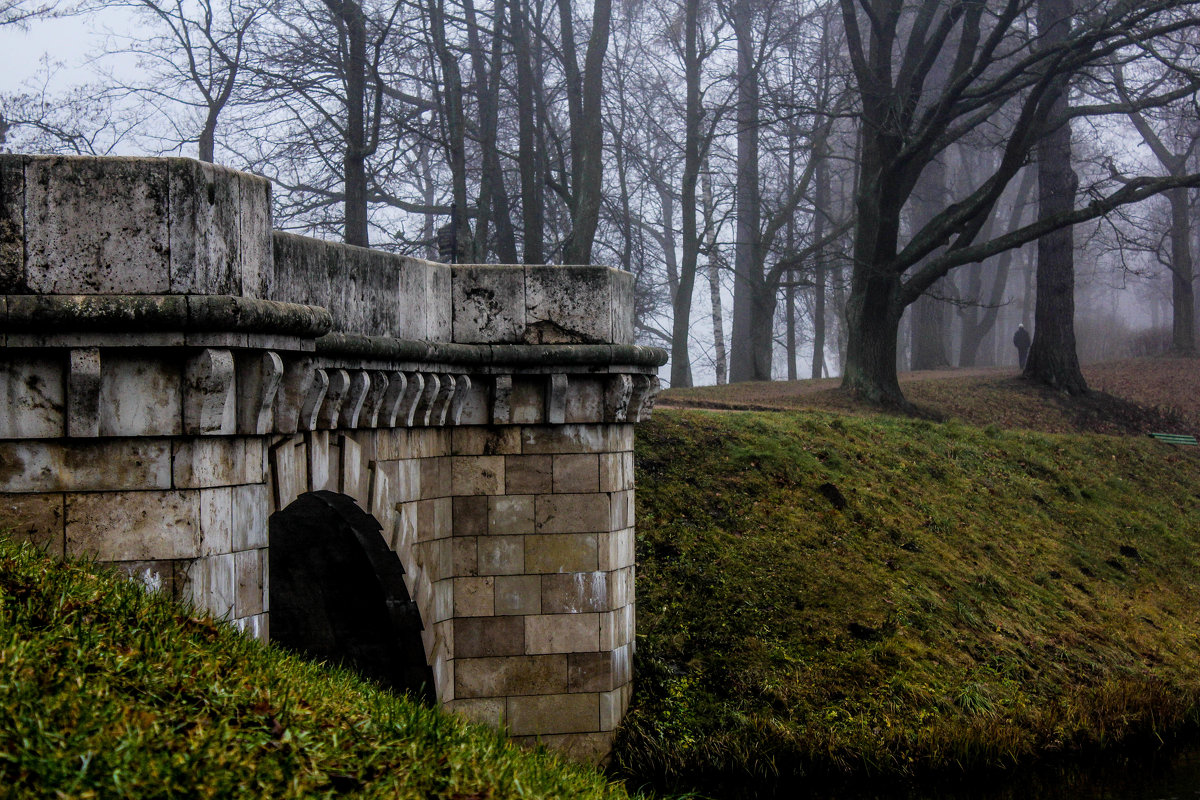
1175, 438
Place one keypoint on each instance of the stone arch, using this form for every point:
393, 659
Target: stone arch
337, 593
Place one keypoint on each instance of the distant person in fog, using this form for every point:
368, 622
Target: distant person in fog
1021, 342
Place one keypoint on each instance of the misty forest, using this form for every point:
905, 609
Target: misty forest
803, 188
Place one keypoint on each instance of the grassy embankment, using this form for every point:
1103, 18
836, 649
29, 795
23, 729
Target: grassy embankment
827, 595
107, 691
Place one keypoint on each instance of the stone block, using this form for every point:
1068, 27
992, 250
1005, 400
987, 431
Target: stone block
436, 478
12, 224
564, 439
518, 595
70, 248
616, 549
474, 597
255, 242
408, 481
141, 396
620, 587
585, 400
488, 303
501, 555
289, 473
568, 305
575, 592
248, 570
509, 515
210, 583
83, 392
510, 675
480, 637
476, 404
466, 556
34, 518
612, 472
216, 521
621, 510
302, 269
412, 322
572, 513
205, 229
32, 397
85, 465
527, 401
622, 306
561, 553
621, 660
439, 311
562, 633
354, 476
478, 440
470, 515
481, 710
617, 628
250, 507
555, 713
323, 460
224, 461
576, 473
528, 474
612, 708
133, 526
589, 672
155, 576
472, 475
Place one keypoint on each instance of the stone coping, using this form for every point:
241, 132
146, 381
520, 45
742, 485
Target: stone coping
517, 355
157, 313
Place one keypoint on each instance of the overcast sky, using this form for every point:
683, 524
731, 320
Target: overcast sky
71, 41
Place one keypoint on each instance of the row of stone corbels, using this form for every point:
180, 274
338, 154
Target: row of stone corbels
259, 395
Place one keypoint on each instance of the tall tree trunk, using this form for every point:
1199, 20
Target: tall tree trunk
681, 322
873, 318
532, 201
1053, 359
355, 157
1183, 301
822, 209
746, 359
714, 281
928, 313
452, 116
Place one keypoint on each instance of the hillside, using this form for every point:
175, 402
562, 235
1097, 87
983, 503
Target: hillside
823, 594
106, 691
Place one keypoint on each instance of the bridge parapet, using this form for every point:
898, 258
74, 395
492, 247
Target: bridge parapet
174, 372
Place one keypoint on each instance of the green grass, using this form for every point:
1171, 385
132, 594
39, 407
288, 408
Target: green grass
106, 691
983, 598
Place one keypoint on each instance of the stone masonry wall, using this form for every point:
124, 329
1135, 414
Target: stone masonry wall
173, 372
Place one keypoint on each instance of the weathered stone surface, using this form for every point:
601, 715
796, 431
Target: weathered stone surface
562, 633
216, 521
514, 675
438, 299
572, 513
622, 306
510, 514
248, 572
590, 672
470, 515
585, 400
485, 441
489, 304
140, 396
575, 593
250, 506
34, 518
565, 439
480, 637
477, 475
83, 393
529, 474
302, 270
518, 594
33, 401
483, 710
85, 465
255, 240
227, 461
556, 713
133, 526
209, 400
573, 552
205, 228
12, 223
474, 597
501, 555
71, 249
155, 576
568, 305
210, 583
576, 473
413, 300
258, 379
585, 748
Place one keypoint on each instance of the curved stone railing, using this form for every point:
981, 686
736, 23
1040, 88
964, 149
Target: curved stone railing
174, 372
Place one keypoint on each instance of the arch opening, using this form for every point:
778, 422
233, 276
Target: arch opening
337, 593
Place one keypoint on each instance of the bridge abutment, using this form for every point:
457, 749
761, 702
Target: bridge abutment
174, 373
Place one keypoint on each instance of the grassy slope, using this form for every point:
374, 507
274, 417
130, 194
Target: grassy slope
984, 596
107, 690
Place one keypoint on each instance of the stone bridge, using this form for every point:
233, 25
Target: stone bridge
422, 469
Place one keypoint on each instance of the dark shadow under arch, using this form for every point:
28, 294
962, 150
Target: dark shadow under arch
337, 593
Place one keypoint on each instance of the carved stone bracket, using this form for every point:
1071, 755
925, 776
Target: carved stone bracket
208, 398
311, 406
258, 381
462, 387
356, 395
645, 389
617, 396
335, 396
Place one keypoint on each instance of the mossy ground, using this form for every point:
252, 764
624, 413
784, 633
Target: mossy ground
826, 595
106, 691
